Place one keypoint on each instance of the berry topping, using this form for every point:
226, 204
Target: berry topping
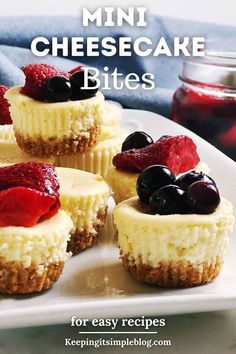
208, 114
151, 179
202, 197
167, 200
5, 117
58, 89
38, 178
191, 193
77, 81
74, 70
187, 179
21, 206
178, 153
136, 140
36, 78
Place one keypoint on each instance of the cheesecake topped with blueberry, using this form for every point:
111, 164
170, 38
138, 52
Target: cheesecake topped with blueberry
52, 114
139, 151
176, 231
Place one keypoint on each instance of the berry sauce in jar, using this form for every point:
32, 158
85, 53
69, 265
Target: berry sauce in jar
206, 101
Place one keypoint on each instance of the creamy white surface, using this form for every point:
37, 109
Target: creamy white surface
40, 245
83, 194
165, 238
32, 118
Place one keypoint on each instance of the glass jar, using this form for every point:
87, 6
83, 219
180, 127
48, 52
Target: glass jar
206, 101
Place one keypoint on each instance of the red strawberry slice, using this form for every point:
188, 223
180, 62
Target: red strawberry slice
76, 69
5, 117
36, 78
29, 179
21, 206
179, 153
35, 175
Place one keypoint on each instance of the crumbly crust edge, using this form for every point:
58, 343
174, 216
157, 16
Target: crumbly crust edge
53, 146
17, 279
81, 240
180, 274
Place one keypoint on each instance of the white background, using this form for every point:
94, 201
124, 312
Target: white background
219, 11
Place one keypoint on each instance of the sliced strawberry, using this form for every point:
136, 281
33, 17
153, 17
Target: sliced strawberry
76, 69
5, 117
28, 179
179, 153
35, 175
21, 206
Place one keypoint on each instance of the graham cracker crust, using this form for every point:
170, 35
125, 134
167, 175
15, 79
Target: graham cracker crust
54, 146
16, 279
181, 274
87, 238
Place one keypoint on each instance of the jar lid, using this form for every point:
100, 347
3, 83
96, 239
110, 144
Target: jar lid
215, 69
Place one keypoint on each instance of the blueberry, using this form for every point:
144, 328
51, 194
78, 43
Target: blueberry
151, 179
77, 81
202, 198
167, 200
58, 89
136, 140
189, 178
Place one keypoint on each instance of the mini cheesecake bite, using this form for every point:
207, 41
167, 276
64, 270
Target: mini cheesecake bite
99, 158
138, 151
52, 114
33, 230
7, 133
177, 235
111, 117
83, 196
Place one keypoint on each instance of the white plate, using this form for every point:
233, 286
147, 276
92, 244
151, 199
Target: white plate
94, 284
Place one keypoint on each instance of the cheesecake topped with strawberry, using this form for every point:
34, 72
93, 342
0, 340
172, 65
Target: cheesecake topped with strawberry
33, 230
139, 151
53, 114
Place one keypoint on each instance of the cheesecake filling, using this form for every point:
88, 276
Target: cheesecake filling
37, 246
111, 117
32, 118
84, 211
82, 196
98, 159
6, 132
167, 239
